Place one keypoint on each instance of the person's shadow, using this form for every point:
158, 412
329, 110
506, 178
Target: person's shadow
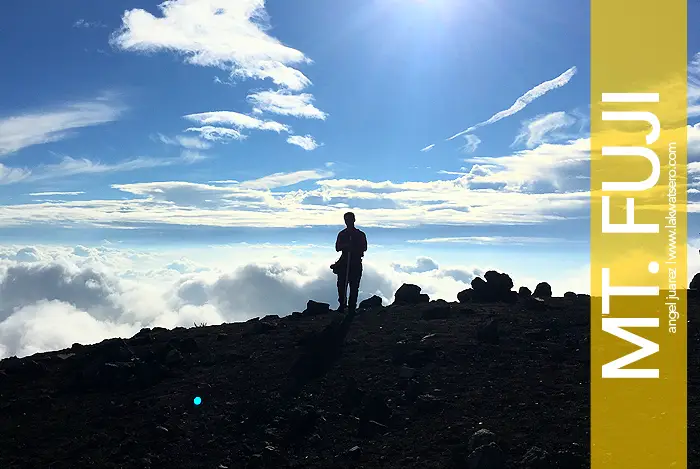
319, 354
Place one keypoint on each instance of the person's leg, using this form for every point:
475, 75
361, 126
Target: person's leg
355, 277
341, 292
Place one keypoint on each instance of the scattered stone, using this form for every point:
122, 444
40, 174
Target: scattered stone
465, 296
221, 337
369, 303
488, 456
314, 308
410, 294
569, 460
429, 403
487, 333
524, 292
427, 337
371, 428
535, 304
543, 291
354, 452
537, 458
481, 437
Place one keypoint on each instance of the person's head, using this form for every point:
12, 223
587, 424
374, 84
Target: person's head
349, 219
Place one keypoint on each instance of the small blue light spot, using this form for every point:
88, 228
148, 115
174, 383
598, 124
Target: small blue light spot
197, 400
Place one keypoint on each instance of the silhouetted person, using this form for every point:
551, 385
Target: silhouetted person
353, 243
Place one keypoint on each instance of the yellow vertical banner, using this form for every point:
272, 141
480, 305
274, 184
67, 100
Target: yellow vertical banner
638, 234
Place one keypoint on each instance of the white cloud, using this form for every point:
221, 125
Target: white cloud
47, 194
486, 240
81, 23
215, 33
428, 148
44, 126
520, 104
558, 167
472, 143
422, 264
306, 142
286, 104
285, 179
191, 143
74, 166
12, 175
237, 120
543, 128
217, 134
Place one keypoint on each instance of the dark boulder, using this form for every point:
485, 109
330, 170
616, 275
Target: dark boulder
543, 291
410, 294
369, 303
570, 295
498, 280
314, 308
524, 292
465, 296
496, 288
478, 284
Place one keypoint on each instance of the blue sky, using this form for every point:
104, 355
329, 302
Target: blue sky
205, 122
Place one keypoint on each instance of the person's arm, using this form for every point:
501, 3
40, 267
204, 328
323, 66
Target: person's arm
363, 246
340, 245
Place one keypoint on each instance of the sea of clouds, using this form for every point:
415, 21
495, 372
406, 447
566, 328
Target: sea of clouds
54, 296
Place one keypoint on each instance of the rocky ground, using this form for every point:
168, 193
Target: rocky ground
429, 385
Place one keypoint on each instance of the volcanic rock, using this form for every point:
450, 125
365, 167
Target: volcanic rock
314, 308
410, 294
465, 296
543, 291
496, 288
373, 302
